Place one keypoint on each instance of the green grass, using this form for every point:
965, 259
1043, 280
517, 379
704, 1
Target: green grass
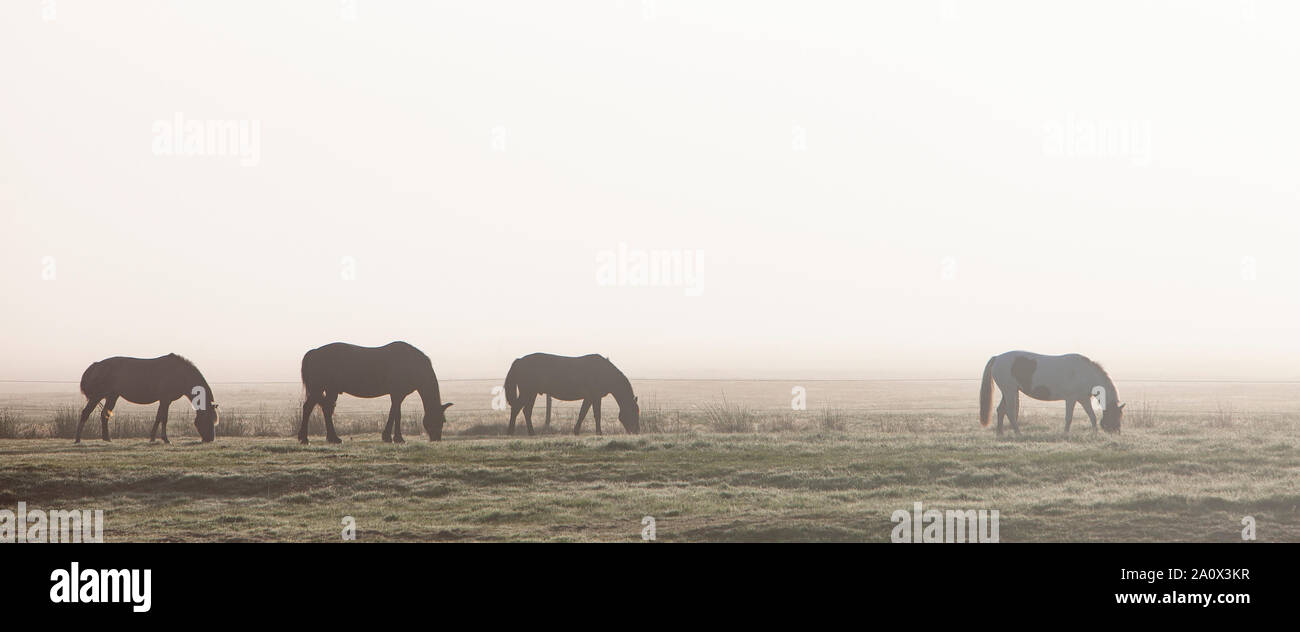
838, 476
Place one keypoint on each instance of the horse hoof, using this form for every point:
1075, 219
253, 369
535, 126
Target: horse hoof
302, 440
398, 440
387, 439
334, 440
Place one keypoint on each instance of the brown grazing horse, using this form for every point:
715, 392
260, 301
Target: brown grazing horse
588, 378
394, 369
145, 381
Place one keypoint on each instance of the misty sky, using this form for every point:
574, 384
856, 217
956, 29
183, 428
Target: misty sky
872, 189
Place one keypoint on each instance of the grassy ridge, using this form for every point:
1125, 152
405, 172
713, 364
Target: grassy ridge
1184, 482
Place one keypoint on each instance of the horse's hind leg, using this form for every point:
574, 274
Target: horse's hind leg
1069, 414
160, 420
327, 407
514, 412
528, 412
586, 403
1009, 407
312, 400
85, 414
106, 413
1013, 413
395, 420
548, 411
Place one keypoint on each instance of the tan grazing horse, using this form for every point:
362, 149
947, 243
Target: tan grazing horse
145, 381
395, 369
588, 378
1071, 377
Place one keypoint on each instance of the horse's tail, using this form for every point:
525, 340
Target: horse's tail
986, 393
306, 381
512, 384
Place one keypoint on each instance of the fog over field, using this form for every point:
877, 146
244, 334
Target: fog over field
846, 190
715, 461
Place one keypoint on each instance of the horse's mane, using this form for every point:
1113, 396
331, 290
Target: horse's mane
186, 361
183, 359
617, 372
611, 365
1100, 369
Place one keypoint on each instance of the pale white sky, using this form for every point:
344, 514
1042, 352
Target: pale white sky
877, 189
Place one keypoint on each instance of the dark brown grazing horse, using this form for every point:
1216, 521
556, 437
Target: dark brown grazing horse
588, 378
394, 369
145, 381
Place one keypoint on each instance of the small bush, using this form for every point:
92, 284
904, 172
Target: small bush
780, 423
66, 418
1223, 416
728, 417
832, 420
1140, 415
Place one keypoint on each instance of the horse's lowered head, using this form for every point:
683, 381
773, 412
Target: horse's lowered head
434, 418
1111, 417
630, 416
206, 420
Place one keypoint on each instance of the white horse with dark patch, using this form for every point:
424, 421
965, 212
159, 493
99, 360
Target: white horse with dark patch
1071, 377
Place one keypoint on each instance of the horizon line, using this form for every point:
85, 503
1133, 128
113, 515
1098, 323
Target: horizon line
752, 379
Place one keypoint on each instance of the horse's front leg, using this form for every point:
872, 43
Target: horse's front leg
548, 410
395, 418
595, 412
586, 403
163, 407
160, 420
1069, 414
1087, 408
393, 429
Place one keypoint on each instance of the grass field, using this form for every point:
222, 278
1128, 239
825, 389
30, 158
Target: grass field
721, 461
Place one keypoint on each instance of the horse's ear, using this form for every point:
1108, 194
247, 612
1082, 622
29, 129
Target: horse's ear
446, 406
636, 399
1121, 406
213, 404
